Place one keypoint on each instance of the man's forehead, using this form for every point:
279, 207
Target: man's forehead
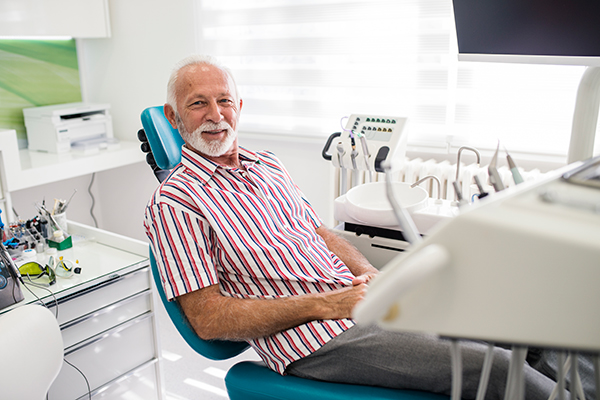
203, 72
193, 76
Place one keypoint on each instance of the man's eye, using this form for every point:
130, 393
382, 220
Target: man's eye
226, 102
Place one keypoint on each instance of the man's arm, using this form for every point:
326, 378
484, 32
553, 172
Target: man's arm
214, 316
354, 259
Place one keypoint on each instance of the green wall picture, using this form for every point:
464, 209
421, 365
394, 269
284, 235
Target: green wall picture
35, 73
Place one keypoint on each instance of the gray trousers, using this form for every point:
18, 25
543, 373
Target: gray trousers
369, 355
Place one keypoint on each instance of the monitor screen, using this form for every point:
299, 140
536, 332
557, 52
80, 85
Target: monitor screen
529, 31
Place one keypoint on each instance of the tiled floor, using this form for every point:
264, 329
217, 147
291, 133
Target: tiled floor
187, 375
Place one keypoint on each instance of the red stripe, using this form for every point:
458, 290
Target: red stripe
262, 245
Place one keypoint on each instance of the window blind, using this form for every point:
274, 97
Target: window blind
302, 65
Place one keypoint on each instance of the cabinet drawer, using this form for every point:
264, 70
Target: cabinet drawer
105, 357
106, 318
139, 384
102, 295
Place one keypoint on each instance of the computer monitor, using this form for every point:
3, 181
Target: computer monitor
563, 32
529, 31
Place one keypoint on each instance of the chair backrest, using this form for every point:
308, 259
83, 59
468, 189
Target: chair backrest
213, 349
165, 141
165, 144
32, 352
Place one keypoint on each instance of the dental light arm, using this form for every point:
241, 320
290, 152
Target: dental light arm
409, 229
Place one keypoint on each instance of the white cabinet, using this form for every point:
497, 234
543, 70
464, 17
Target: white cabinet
75, 18
107, 320
106, 313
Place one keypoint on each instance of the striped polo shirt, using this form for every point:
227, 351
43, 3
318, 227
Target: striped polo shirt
251, 231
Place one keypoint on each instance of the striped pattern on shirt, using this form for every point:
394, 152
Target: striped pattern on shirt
252, 232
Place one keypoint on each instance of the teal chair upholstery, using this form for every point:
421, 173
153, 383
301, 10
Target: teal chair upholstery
247, 380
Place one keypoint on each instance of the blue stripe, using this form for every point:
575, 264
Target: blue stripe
246, 223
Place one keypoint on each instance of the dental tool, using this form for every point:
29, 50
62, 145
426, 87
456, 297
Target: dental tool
493, 171
343, 175
366, 154
409, 229
353, 155
459, 197
513, 169
482, 192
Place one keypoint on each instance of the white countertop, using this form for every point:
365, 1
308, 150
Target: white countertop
102, 256
25, 168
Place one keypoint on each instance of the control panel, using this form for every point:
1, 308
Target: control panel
367, 140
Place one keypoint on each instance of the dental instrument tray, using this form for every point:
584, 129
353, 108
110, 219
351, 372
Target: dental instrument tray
62, 127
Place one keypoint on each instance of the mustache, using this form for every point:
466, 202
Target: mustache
207, 126
211, 126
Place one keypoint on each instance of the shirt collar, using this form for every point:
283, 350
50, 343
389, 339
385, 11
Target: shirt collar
205, 168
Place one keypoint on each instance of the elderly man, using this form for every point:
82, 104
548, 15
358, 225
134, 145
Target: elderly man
247, 258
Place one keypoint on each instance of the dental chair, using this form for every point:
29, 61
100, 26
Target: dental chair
32, 352
246, 380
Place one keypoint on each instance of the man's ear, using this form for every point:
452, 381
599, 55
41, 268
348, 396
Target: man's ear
170, 114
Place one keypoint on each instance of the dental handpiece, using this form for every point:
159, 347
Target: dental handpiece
458, 192
353, 153
513, 169
495, 179
343, 177
367, 155
341, 152
482, 192
355, 172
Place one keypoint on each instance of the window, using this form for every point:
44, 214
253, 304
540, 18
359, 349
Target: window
302, 65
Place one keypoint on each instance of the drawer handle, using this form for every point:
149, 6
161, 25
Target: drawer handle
108, 333
110, 280
106, 309
126, 375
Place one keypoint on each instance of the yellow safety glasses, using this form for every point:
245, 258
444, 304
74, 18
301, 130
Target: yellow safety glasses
33, 270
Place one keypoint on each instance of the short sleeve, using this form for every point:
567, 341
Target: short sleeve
181, 246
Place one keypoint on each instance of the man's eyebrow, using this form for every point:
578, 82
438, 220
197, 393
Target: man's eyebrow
194, 97
201, 96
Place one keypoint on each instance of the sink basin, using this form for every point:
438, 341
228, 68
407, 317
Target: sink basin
368, 203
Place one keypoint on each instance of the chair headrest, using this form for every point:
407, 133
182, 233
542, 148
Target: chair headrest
164, 140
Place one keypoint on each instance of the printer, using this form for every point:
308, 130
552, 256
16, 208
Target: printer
61, 127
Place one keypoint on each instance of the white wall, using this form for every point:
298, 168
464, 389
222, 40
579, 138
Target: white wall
129, 71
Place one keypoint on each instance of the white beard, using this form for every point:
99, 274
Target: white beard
212, 148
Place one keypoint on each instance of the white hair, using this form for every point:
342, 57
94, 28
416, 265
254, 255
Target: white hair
195, 59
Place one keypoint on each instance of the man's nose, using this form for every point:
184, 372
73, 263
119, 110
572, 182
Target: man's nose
213, 112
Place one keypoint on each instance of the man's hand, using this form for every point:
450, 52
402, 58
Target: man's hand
354, 260
339, 304
214, 316
362, 279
